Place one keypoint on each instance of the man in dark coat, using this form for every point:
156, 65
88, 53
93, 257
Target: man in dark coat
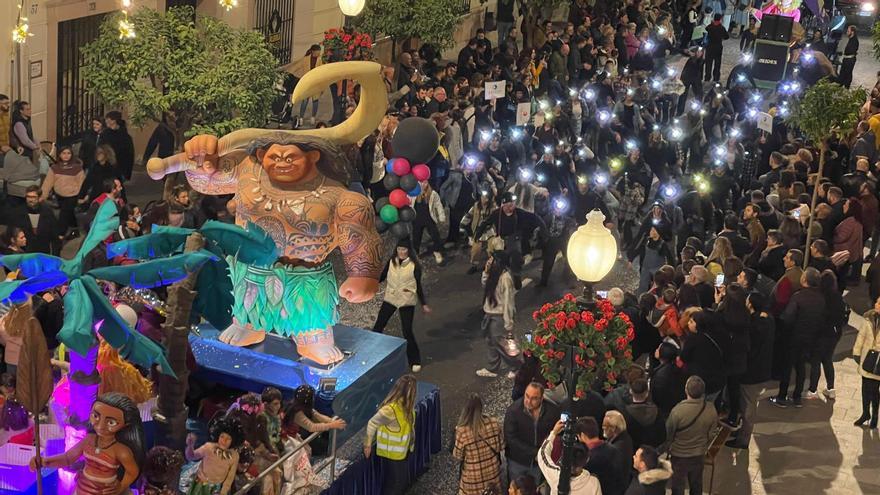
803, 318
715, 34
39, 224
527, 423
653, 473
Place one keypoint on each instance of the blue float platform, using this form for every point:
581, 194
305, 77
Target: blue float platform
363, 379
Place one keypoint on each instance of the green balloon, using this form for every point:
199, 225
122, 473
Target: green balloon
388, 214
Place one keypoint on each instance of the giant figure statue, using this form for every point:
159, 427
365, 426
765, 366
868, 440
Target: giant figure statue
292, 184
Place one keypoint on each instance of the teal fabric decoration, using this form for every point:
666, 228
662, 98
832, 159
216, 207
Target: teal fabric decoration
31, 264
132, 346
154, 273
105, 223
214, 300
150, 246
251, 245
18, 291
77, 332
283, 300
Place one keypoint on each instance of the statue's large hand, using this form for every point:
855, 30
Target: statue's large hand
358, 289
203, 150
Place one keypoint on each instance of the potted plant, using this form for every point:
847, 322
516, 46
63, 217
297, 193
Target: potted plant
346, 44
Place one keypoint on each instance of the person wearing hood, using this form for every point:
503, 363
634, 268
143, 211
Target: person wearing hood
116, 135
653, 473
644, 422
653, 254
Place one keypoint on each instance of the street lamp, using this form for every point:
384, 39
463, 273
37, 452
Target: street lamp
591, 252
351, 8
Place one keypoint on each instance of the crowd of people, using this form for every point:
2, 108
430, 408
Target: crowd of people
741, 273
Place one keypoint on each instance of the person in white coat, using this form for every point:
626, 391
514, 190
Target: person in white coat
868, 343
403, 291
429, 214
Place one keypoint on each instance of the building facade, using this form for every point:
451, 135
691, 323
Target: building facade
50, 78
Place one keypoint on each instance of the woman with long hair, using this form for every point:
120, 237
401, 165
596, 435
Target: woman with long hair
480, 211
499, 306
91, 138
301, 411
104, 168
117, 137
114, 449
736, 319
403, 291
836, 313
479, 442
429, 214
721, 250
867, 342
702, 352
393, 429
65, 179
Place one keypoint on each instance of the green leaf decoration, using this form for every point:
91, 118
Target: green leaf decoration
154, 273
105, 223
251, 245
151, 246
214, 300
31, 264
77, 332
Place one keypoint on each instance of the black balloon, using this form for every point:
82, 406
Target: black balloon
380, 203
415, 139
407, 214
390, 181
400, 229
408, 182
380, 225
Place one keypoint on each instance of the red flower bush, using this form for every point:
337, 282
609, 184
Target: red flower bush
340, 44
599, 339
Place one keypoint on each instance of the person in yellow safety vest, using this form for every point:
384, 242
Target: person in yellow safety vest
393, 427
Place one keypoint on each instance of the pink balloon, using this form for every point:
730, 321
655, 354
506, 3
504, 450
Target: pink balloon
421, 172
400, 167
398, 198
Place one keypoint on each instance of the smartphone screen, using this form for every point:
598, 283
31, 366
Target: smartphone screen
602, 293
719, 280
563, 417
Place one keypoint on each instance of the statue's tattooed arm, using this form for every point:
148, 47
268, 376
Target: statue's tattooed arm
223, 181
357, 237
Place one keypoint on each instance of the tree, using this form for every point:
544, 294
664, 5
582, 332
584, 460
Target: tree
201, 76
826, 109
532, 12
432, 21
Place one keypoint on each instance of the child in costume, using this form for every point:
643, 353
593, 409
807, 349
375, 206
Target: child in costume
219, 457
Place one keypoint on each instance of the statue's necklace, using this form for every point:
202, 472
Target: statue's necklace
279, 203
98, 448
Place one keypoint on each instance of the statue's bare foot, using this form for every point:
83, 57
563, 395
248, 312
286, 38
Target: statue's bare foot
242, 335
318, 346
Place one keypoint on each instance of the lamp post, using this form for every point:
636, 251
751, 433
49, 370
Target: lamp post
591, 254
351, 8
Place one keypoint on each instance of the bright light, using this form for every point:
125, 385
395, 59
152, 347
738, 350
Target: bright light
670, 191
20, 34
126, 29
741, 77
649, 45
589, 95
747, 58
661, 30
561, 143
582, 153
752, 113
615, 164
601, 179
485, 135
677, 133
560, 204
631, 145
126, 4
471, 161
695, 105
604, 116
351, 8
548, 149
516, 133
867, 7
630, 92
572, 92
544, 104
541, 178
670, 71
655, 84
525, 174
592, 250
582, 179
735, 133
720, 151
755, 98
228, 4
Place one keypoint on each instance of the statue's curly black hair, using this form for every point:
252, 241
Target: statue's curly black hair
230, 425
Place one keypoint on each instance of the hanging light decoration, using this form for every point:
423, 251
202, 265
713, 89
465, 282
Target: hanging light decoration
126, 27
351, 8
21, 33
228, 4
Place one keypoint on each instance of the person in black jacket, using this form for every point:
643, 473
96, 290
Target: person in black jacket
516, 227
691, 78
116, 135
702, 352
803, 317
715, 34
39, 224
605, 462
527, 423
90, 141
736, 319
104, 168
161, 141
760, 365
667, 379
826, 341
653, 473
643, 419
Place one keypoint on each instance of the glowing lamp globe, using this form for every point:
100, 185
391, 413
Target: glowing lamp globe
351, 7
592, 250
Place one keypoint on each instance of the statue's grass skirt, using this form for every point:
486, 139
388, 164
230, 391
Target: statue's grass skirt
285, 300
